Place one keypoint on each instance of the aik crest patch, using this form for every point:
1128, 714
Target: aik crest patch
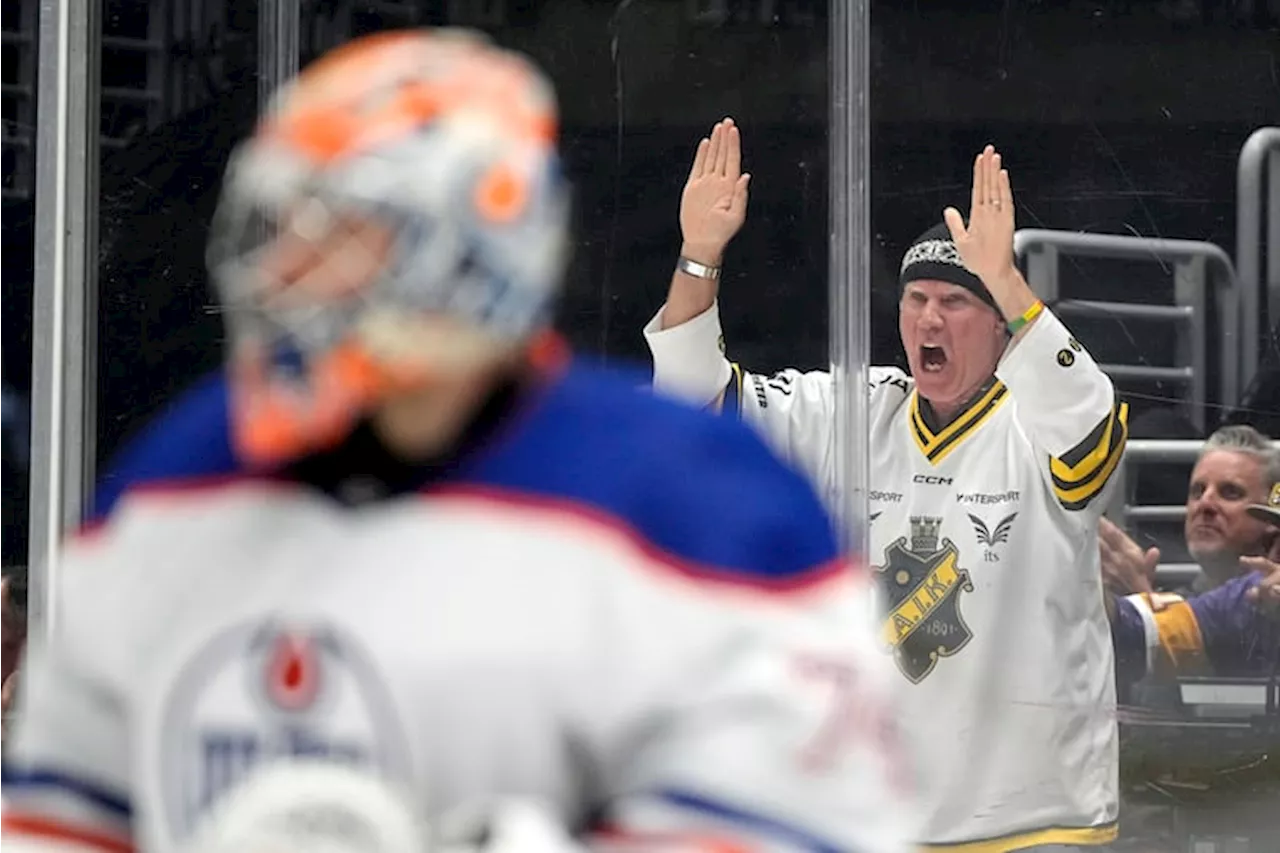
922, 583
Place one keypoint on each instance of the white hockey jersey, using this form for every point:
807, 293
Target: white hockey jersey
984, 538
596, 610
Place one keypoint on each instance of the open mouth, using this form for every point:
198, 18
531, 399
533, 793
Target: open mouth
932, 358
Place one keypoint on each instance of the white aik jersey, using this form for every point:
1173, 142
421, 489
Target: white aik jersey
983, 535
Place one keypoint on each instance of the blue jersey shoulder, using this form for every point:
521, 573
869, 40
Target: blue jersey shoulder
701, 488
188, 441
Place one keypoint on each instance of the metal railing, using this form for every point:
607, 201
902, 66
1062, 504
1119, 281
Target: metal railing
1122, 510
1196, 265
169, 87
1259, 160
18, 136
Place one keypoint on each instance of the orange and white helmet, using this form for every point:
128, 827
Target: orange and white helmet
399, 212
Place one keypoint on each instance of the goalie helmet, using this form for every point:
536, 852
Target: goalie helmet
399, 213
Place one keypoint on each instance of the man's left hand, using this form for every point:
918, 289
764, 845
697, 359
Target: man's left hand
986, 244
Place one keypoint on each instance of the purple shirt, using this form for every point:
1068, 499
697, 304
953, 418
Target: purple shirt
1220, 629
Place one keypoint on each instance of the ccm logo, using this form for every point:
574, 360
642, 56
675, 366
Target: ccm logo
931, 480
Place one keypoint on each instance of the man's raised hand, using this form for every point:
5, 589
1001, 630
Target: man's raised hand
714, 203
986, 244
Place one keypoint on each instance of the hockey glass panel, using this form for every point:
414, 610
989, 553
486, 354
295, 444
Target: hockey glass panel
18, 68
1141, 198
180, 87
638, 85
18, 103
1123, 119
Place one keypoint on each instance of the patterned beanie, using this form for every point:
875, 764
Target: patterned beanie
933, 255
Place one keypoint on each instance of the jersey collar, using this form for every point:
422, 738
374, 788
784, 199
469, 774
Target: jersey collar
936, 440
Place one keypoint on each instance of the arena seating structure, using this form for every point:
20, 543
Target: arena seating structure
1214, 312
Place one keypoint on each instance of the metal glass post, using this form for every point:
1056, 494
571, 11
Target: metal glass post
1250, 206
278, 26
850, 285
64, 351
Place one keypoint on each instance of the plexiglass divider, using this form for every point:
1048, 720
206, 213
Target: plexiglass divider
65, 289
278, 25
850, 260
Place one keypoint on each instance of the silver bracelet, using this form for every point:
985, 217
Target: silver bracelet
696, 269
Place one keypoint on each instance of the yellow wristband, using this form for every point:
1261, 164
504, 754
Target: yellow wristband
1030, 314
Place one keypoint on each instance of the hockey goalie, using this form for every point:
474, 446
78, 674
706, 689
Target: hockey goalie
403, 533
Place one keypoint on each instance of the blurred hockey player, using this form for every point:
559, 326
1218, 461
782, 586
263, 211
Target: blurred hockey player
320, 806
405, 534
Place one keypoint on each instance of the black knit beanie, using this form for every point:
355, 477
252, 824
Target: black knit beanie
934, 255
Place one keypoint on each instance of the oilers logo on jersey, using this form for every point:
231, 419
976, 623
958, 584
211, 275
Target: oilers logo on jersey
269, 690
922, 585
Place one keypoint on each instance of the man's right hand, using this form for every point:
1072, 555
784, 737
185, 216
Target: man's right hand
1266, 595
1126, 568
714, 203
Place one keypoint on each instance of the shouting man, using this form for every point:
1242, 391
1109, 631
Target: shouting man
988, 463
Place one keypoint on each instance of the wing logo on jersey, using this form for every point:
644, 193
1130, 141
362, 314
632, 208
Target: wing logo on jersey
991, 538
922, 582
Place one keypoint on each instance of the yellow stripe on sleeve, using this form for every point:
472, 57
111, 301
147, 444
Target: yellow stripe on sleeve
1181, 642
1079, 477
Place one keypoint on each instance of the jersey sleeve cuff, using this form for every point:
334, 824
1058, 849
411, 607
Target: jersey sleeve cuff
1174, 640
1045, 349
1135, 636
1067, 403
688, 360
